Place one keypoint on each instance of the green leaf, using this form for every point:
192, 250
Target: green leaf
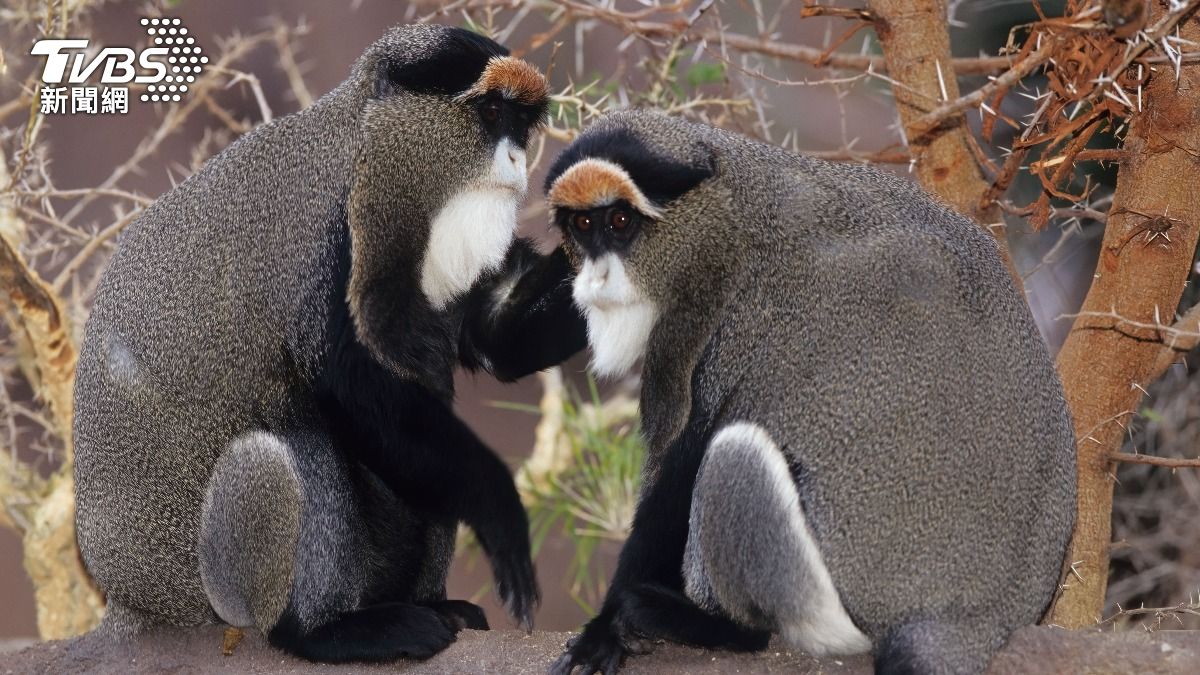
705, 73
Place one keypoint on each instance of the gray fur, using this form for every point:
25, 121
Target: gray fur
879, 340
254, 496
185, 351
750, 552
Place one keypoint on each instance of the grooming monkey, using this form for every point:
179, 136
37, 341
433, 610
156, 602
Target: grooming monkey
264, 430
856, 436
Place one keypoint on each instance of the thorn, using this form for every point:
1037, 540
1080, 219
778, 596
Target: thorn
941, 79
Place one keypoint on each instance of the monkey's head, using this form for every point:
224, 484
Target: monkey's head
641, 213
445, 117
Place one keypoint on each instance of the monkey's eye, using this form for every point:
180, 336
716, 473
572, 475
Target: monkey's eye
582, 222
490, 112
618, 219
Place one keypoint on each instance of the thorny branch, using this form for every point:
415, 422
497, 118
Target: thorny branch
1159, 614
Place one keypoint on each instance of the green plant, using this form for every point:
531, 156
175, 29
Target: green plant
581, 483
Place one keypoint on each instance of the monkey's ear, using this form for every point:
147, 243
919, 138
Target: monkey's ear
449, 69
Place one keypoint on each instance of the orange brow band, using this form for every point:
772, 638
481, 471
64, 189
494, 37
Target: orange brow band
514, 78
593, 182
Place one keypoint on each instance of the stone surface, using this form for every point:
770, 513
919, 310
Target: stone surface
1031, 650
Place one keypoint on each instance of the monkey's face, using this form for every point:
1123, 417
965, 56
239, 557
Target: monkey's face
612, 200
445, 137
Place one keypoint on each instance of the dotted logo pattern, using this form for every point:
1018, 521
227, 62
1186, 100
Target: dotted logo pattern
185, 58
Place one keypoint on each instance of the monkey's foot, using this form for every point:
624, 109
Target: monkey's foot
461, 614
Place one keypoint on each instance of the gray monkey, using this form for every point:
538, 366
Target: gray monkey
857, 439
264, 430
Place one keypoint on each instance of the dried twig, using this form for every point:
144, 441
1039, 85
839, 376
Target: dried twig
1170, 462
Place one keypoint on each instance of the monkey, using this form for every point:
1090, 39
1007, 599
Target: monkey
264, 430
856, 438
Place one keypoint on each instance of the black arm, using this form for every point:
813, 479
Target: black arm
522, 319
654, 551
410, 437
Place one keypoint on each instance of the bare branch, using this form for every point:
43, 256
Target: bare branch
1171, 462
982, 65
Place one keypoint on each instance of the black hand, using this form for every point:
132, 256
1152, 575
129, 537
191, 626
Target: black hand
503, 533
598, 649
522, 319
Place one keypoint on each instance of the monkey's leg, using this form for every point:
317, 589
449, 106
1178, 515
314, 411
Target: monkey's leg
283, 548
652, 611
750, 552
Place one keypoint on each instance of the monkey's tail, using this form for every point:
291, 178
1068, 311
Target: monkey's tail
927, 647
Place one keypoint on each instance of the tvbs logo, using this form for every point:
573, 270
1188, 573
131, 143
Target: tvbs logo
162, 71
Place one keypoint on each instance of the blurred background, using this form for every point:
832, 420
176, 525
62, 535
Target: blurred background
273, 56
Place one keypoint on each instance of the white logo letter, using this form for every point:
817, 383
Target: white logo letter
117, 57
56, 61
148, 63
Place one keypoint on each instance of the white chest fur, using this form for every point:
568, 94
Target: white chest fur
474, 228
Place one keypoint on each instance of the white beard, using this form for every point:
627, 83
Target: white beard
472, 232
619, 316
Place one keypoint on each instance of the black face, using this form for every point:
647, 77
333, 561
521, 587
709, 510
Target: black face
607, 229
501, 117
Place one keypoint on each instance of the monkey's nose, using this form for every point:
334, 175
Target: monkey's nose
508, 166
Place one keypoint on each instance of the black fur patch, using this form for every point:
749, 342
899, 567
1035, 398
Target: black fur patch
536, 326
373, 634
502, 118
449, 71
661, 179
404, 429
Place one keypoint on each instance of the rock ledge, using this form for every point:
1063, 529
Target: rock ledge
1032, 650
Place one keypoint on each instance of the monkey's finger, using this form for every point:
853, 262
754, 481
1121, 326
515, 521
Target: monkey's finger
563, 665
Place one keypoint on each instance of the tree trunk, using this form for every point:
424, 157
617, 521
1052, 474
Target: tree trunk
1106, 364
916, 46
67, 602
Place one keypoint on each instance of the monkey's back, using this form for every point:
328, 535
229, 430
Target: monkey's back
186, 347
903, 374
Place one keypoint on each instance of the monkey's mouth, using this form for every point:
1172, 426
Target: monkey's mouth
619, 315
513, 188
603, 284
